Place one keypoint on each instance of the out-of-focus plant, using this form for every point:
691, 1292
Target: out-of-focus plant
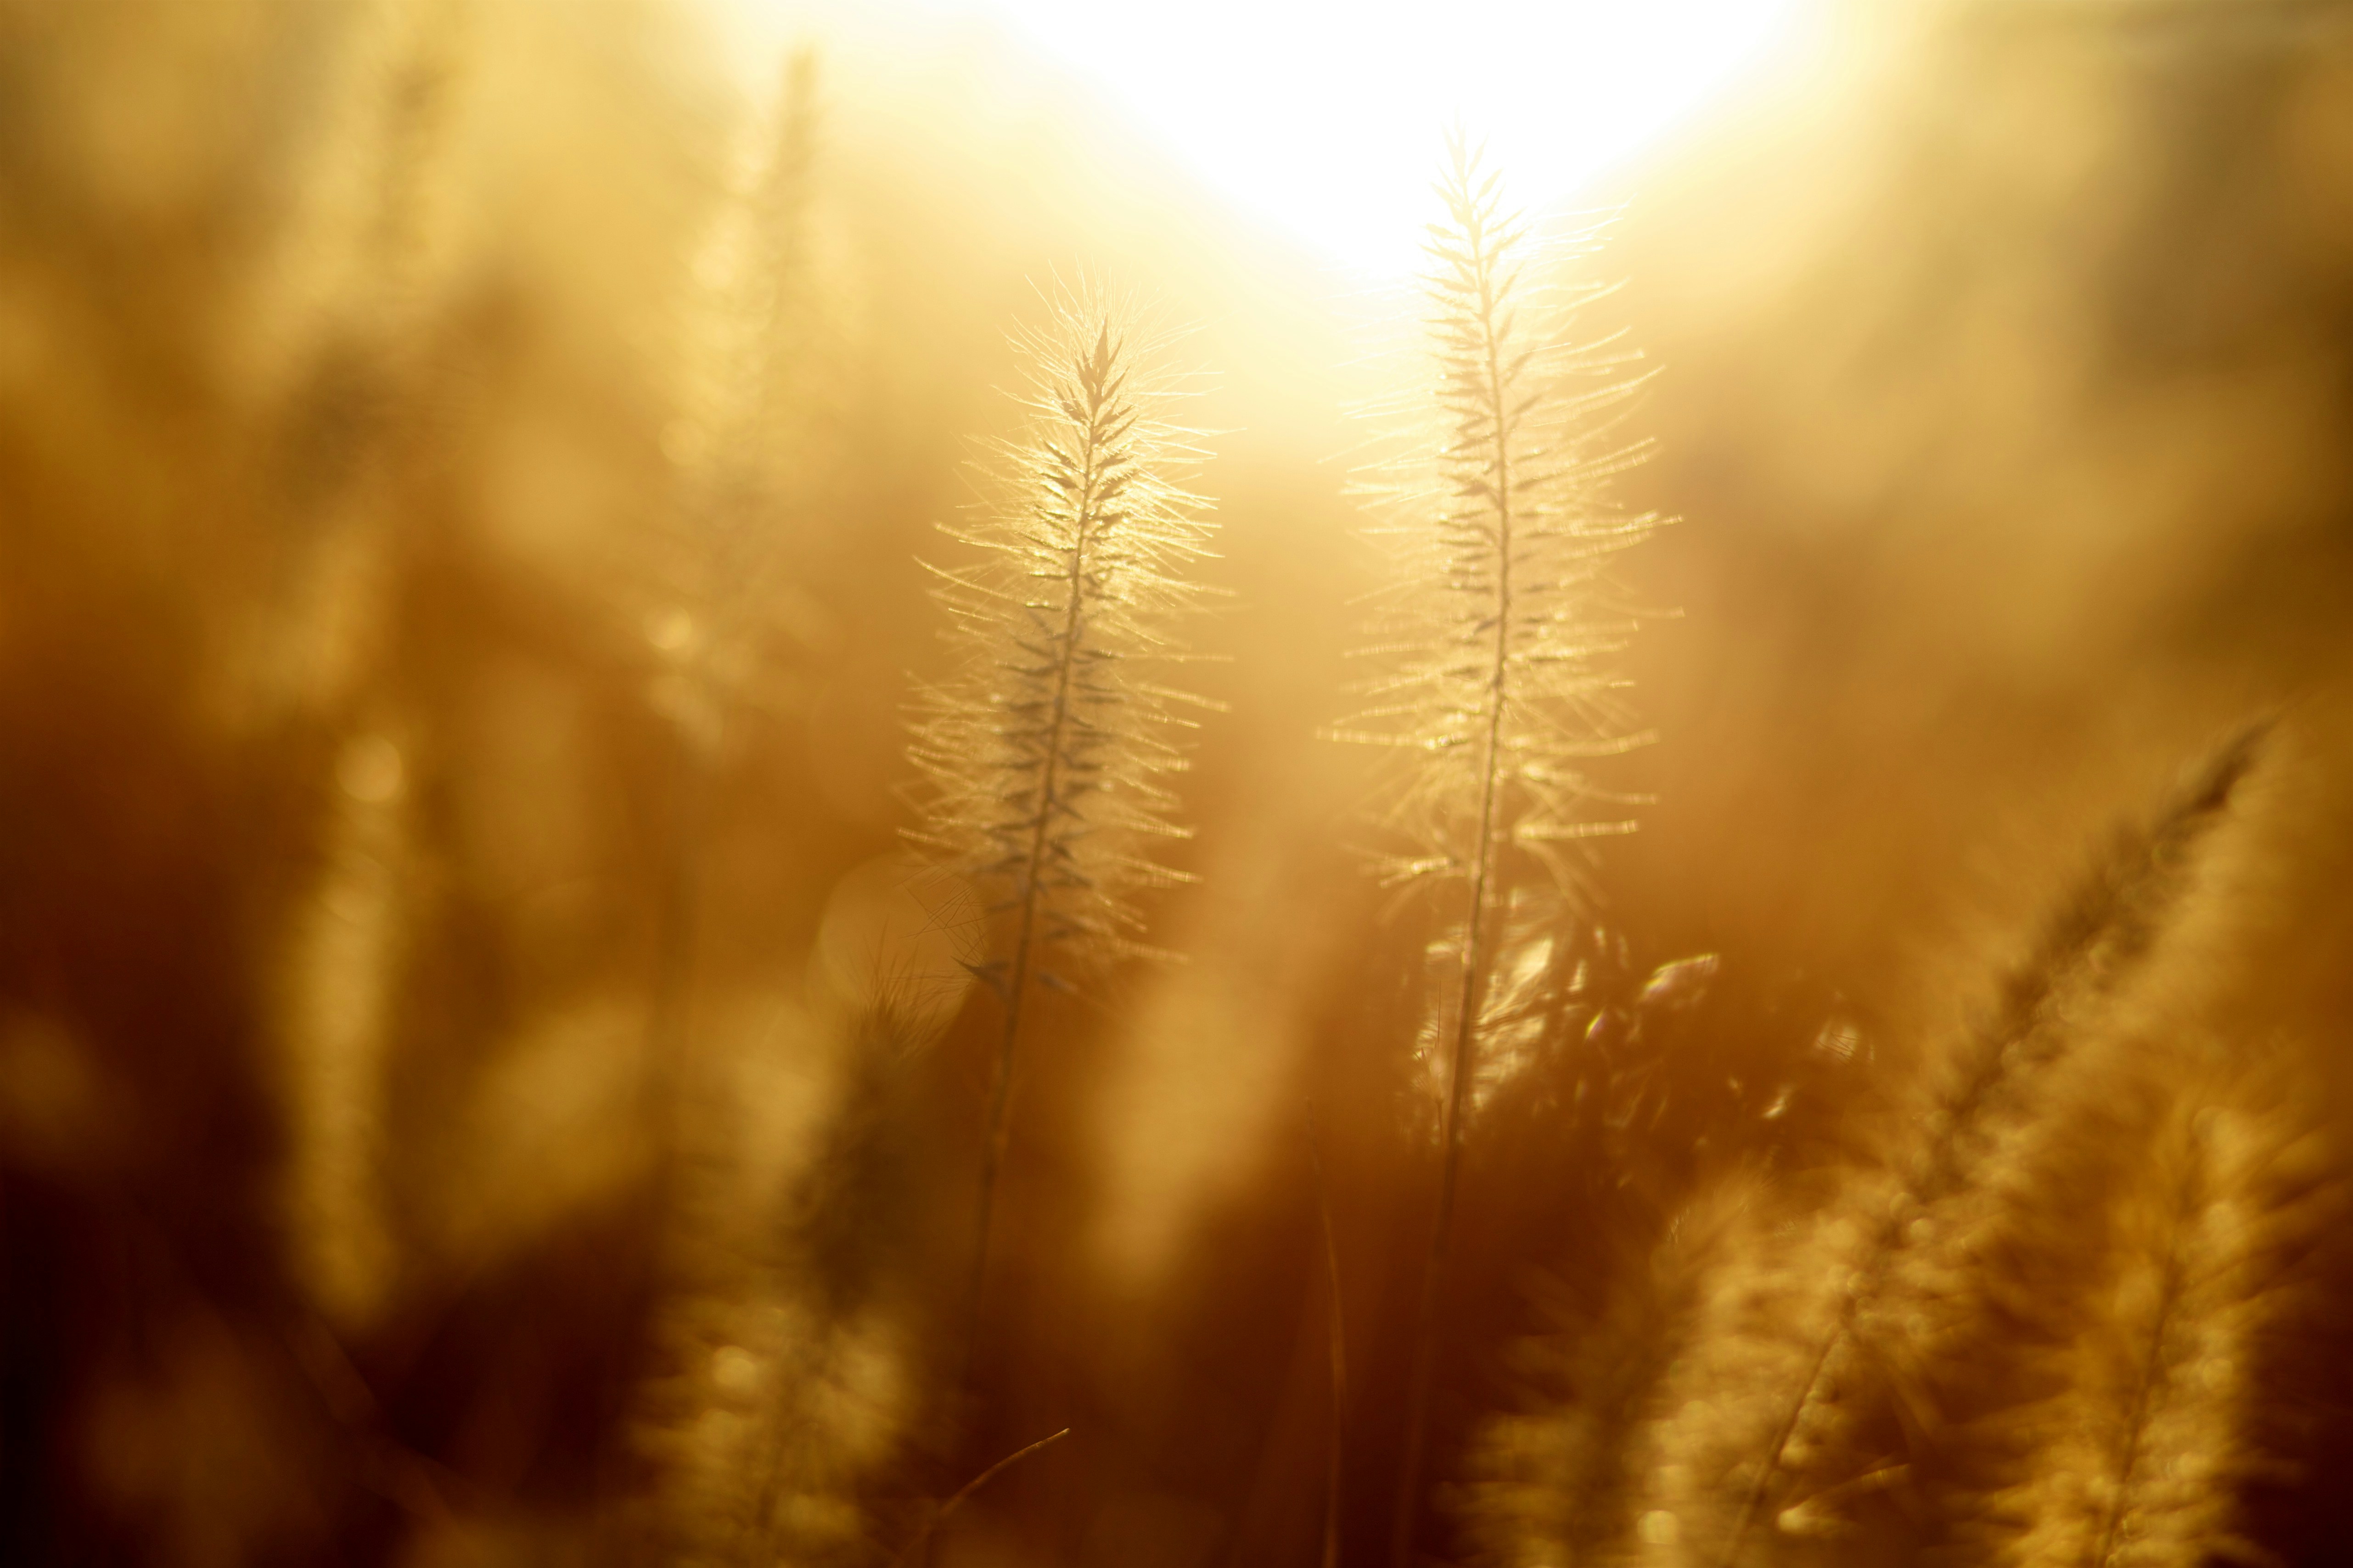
1815, 1338
2149, 1449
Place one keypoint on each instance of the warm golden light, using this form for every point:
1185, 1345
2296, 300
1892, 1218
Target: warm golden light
1206, 784
1325, 120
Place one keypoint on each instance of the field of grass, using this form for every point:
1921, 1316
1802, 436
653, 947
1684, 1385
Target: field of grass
687, 874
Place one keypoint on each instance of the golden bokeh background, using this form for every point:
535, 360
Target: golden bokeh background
480, 1080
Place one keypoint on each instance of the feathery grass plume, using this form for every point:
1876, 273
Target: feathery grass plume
1559, 1483
1806, 1352
1042, 757
1499, 635
2144, 1454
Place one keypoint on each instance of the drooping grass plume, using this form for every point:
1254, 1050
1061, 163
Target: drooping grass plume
1809, 1340
1041, 758
1499, 640
2144, 1454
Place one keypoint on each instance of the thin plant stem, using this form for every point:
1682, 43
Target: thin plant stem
1474, 955
1336, 1344
939, 1516
1017, 984
2150, 1372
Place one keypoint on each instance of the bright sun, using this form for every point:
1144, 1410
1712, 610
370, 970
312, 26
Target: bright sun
1327, 118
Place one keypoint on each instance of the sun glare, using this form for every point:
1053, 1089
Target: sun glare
1326, 120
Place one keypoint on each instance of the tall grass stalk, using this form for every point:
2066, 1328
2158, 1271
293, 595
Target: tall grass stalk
1042, 757
1500, 635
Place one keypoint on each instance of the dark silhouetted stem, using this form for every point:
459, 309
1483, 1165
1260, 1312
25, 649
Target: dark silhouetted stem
1025, 935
